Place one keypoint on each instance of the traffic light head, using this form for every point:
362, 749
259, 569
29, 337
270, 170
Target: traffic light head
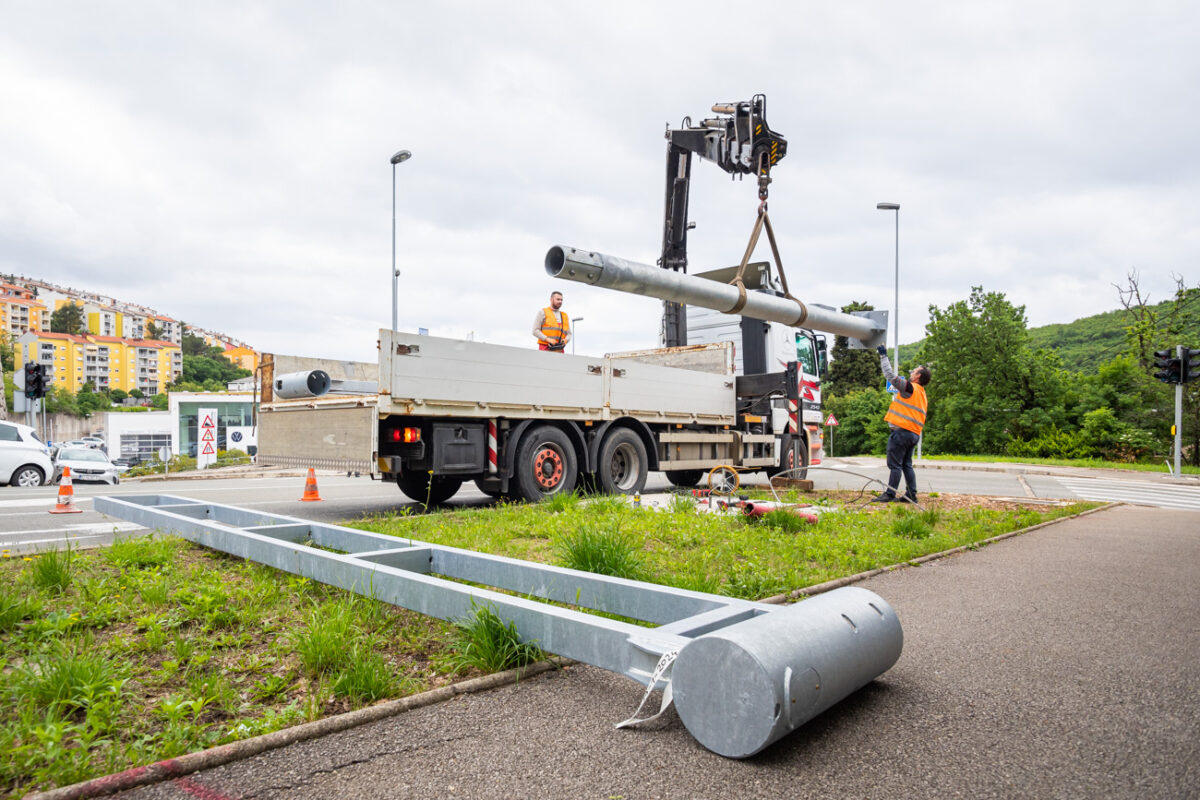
1190, 367
1169, 369
33, 372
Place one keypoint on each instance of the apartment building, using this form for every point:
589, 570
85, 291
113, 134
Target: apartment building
243, 357
21, 311
106, 362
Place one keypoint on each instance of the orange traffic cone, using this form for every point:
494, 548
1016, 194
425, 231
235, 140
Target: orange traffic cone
66, 495
310, 487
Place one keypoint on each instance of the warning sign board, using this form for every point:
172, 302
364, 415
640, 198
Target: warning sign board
832, 421
206, 453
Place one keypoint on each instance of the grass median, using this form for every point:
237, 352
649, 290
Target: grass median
154, 647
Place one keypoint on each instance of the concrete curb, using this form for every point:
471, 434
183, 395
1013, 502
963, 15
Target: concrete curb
172, 768
837, 583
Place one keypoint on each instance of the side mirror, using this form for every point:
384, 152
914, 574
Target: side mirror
822, 355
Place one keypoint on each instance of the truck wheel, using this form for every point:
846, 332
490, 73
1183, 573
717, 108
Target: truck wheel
545, 465
622, 463
685, 478
793, 456
416, 486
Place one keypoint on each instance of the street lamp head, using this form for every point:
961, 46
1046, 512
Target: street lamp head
888, 206
403, 155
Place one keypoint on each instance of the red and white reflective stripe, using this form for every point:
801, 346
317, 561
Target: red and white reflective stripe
793, 417
491, 447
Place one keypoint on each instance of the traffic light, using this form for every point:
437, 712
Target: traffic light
1190, 369
42, 384
33, 371
1170, 370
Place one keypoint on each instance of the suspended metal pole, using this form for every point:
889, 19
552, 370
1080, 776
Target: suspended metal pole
868, 329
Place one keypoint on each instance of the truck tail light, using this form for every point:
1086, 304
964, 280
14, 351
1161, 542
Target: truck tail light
406, 435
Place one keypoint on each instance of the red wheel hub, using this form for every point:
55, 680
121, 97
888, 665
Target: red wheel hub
548, 468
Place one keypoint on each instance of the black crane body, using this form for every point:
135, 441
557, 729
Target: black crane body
739, 141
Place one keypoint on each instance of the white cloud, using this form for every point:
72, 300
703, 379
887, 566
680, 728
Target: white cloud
227, 163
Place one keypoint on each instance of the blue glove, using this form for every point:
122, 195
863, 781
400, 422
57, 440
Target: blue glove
881, 350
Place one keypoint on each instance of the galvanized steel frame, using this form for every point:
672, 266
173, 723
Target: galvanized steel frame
426, 578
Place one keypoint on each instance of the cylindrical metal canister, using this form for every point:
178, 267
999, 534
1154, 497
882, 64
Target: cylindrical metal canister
743, 687
298, 385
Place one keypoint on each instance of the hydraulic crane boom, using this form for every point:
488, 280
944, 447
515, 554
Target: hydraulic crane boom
738, 141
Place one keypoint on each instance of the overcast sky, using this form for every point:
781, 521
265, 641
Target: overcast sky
228, 163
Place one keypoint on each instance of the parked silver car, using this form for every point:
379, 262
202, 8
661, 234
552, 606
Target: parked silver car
86, 465
24, 458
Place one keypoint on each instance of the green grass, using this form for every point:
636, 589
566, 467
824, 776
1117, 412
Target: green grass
712, 553
1086, 463
485, 641
601, 548
153, 648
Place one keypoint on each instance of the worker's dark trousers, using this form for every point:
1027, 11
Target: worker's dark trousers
900, 448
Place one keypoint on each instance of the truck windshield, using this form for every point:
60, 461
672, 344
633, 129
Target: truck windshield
806, 354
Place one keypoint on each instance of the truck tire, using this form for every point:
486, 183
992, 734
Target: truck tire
623, 463
416, 486
685, 478
545, 465
793, 456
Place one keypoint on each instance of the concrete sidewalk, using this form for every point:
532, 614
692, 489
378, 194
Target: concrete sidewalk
1060, 663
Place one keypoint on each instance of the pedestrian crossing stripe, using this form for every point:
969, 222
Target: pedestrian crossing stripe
1134, 492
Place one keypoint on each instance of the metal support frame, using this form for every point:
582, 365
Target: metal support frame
846, 638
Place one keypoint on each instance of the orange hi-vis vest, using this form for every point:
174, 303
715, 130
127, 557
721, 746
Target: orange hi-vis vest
908, 412
552, 328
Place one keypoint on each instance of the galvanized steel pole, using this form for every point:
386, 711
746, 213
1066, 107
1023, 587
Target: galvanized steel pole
612, 272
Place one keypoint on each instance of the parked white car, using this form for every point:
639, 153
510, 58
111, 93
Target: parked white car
86, 465
24, 458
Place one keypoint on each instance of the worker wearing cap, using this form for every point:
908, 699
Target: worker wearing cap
551, 326
906, 418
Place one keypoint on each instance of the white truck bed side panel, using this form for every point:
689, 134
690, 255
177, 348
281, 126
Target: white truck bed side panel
462, 375
431, 375
647, 389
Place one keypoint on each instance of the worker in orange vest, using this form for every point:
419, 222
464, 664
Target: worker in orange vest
552, 326
906, 418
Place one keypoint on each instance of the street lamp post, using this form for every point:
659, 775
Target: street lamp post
574, 322
398, 158
896, 302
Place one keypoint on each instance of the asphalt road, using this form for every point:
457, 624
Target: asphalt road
1057, 664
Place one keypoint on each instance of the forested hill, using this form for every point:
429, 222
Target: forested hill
1085, 344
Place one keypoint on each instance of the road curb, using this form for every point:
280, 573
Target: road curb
837, 583
172, 768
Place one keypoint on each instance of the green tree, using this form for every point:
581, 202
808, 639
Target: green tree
153, 331
118, 395
988, 387
7, 352
68, 319
861, 428
852, 370
160, 401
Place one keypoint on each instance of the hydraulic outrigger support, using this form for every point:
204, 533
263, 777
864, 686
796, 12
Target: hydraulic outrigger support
745, 675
